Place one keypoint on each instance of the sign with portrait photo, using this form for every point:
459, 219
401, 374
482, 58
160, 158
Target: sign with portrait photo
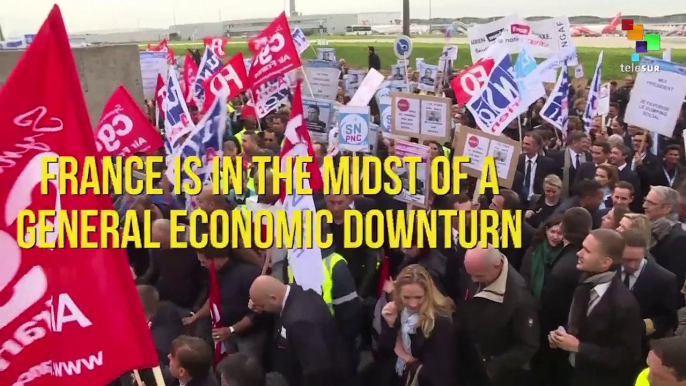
398, 73
326, 54
427, 77
421, 116
478, 145
420, 197
353, 81
317, 117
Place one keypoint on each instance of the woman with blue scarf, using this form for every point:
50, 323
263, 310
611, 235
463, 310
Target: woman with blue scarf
417, 341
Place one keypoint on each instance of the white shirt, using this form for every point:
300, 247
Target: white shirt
285, 297
533, 173
600, 290
634, 276
573, 155
620, 168
456, 237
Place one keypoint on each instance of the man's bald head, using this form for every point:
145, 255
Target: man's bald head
161, 231
267, 294
484, 264
208, 201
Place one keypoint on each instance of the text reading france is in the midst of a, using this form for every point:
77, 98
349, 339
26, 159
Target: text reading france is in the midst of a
290, 227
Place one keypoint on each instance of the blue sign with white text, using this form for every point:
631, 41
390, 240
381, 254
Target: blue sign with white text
353, 128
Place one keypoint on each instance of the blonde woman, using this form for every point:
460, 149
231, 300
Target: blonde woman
542, 206
638, 221
417, 340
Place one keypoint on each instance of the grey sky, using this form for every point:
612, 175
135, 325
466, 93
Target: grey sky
18, 17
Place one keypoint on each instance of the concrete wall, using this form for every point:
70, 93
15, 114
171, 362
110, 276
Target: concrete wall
101, 70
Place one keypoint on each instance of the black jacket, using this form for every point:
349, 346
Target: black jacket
516, 255
559, 283
586, 172
437, 353
209, 380
610, 340
309, 349
374, 61
664, 253
630, 176
544, 166
504, 329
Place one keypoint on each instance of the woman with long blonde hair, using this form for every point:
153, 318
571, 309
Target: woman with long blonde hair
417, 334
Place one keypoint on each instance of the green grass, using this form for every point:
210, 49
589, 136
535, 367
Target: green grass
355, 55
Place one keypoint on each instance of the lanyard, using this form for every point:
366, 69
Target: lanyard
670, 181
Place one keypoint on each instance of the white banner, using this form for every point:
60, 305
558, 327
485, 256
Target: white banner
542, 38
657, 96
322, 82
152, 64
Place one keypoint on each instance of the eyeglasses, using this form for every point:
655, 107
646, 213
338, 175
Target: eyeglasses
650, 203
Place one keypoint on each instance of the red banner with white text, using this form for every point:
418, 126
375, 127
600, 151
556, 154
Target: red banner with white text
217, 44
68, 316
274, 53
231, 79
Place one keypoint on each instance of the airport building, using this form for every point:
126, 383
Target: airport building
310, 24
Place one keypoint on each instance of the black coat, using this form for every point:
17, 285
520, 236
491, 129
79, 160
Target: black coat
660, 178
209, 380
309, 348
456, 282
586, 172
374, 61
544, 166
516, 255
657, 295
631, 177
646, 172
610, 340
667, 254
437, 354
165, 326
505, 334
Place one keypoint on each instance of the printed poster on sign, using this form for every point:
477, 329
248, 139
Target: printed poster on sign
386, 116
353, 81
421, 116
318, 115
427, 79
323, 80
479, 146
604, 99
270, 95
152, 64
415, 183
353, 128
367, 89
373, 139
398, 73
657, 97
326, 54
449, 52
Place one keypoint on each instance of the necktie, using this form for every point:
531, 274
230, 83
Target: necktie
527, 179
577, 162
592, 300
627, 280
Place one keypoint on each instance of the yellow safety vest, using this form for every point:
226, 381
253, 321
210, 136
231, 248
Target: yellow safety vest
239, 137
446, 151
642, 379
328, 263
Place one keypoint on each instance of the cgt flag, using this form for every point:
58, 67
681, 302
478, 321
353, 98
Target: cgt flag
274, 53
124, 129
68, 316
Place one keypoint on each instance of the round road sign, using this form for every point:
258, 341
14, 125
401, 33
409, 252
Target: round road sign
403, 47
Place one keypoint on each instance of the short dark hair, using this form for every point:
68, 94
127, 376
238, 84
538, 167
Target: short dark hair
611, 243
671, 147
625, 185
603, 145
623, 149
314, 107
511, 200
575, 136
576, 224
587, 188
193, 354
456, 199
240, 369
536, 137
614, 104
209, 250
672, 352
635, 238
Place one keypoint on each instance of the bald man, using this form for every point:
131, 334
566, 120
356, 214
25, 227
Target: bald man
309, 349
501, 319
209, 202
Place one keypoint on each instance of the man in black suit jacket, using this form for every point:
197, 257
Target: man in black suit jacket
605, 329
508, 200
455, 279
654, 287
671, 173
537, 165
618, 156
644, 162
600, 153
309, 348
567, 160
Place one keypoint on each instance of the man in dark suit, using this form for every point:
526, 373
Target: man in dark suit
644, 162
508, 200
661, 207
653, 287
605, 330
455, 280
618, 156
589, 195
568, 161
190, 362
534, 166
309, 347
600, 152
671, 173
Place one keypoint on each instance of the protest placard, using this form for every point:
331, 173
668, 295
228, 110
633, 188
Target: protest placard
420, 116
478, 145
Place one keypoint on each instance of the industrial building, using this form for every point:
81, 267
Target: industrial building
330, 24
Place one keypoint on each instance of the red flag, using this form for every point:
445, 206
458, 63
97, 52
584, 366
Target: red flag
468, 82
99, 330
160, 95
216, 311
232, 79
163, 46
274, 53
217, 44
248, 110
296, 134
124, 129
190, 73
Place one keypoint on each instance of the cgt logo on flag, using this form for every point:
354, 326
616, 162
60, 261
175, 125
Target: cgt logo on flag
498, 104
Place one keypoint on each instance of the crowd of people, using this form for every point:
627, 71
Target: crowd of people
595, 292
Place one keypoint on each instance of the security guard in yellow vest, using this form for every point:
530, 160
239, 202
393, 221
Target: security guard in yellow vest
666, 363
642, 379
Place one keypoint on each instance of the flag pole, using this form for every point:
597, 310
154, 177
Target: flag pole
159, 379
